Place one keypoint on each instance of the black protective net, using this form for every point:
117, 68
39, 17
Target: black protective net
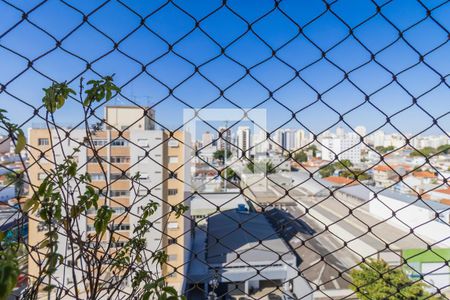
224, 149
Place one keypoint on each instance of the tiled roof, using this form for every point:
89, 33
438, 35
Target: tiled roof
339, 180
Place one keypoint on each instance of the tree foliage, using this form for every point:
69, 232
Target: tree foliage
429, 151
329, 170
261, 167
382, 149
375, 280
220, 155
301, 156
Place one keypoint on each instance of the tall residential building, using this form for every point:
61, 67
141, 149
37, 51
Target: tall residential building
344, 148
177, 237
378, 138
340, 132
260, 141
299, 139
243, 141
224, 139
122, 156
207, 139
361, 130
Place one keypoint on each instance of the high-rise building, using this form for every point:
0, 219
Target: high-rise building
361, 130
243, 141
138, 149
260, 141
224, 139
299, 139
378, 138
177, 236
345, 148
207, 139
340, 132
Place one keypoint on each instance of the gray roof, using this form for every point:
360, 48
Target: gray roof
210, 201
240, 233
358, 191
365, 193
312, 186
436, 206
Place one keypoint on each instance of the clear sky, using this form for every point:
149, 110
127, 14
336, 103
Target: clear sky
271, 78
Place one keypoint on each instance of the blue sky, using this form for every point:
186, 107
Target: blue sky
244, 49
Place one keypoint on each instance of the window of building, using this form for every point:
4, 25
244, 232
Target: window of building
119, 193
119, 176
90, 227
142, 192
173, 143
118, 209
143, 176
120, 159
97, 176
43, 142
172, 241
119, 143
117, 244
142, 142
173, 159
41, 176
121, 227
172, 192
172, 225
99, 143
171, 257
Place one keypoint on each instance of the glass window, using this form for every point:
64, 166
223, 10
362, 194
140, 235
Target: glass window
172, 225
43, 142
119, 143
142, 142
119, 193
97, 176
99, 142
173, 159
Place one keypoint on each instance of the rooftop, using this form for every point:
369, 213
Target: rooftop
436, 206
339, 180
424, 174
210, 201
444, 191
231, 233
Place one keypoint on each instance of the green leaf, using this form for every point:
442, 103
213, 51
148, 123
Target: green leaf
102, 219
20, 141
30, 203
9, 271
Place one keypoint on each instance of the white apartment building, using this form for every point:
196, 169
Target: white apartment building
243, 141
207, 139
299, 139
345, 148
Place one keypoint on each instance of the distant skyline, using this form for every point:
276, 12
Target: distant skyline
291, 95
